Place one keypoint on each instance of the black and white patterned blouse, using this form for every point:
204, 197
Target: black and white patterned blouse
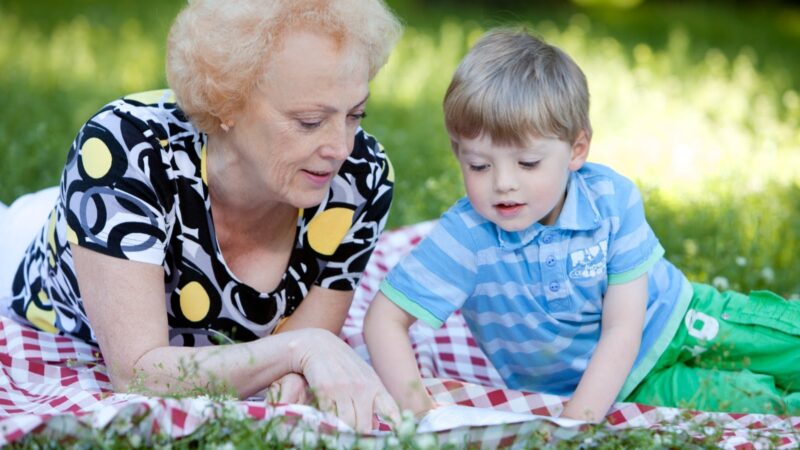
134, 187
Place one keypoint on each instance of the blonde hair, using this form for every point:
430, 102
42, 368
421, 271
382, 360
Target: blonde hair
217, 50
514, 86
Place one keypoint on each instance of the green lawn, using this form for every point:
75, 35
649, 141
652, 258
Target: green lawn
699, 102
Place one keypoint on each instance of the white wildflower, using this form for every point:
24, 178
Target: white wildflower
721, 283
135, 440
741, 261
407, 427
426, 441
768, 274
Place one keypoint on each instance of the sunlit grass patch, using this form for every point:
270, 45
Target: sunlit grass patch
703, 114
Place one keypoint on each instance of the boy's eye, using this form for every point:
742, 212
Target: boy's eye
478, 167
528, 164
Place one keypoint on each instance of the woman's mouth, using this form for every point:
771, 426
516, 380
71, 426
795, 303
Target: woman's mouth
317, 178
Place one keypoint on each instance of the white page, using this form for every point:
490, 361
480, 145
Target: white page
454, 416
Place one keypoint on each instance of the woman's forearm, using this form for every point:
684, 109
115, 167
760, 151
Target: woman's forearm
239, 369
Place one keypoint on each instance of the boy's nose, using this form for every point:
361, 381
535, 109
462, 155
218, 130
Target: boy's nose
505, 181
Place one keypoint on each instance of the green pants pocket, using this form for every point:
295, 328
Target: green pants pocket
766, 309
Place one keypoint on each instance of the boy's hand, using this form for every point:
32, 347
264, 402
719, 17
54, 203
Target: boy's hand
624, 308
386, 333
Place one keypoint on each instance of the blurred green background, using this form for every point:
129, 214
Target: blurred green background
698, 102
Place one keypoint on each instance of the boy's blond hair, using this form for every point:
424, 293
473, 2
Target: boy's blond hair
514, 86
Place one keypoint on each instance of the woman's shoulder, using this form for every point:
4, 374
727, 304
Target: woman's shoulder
155, 110
367, 169
368, 154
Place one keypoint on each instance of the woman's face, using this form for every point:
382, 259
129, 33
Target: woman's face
298, 127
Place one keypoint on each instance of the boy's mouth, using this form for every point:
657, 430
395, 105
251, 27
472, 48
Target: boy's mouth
506, 209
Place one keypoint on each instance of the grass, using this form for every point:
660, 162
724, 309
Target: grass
225, 429
703, 113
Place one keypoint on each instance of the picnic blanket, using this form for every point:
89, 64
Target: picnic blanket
51, 383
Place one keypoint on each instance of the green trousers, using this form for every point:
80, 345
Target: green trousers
732, 352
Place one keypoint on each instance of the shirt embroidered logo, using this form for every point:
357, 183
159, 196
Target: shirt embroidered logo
589, 262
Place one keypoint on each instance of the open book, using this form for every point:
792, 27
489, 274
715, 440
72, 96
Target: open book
448, 417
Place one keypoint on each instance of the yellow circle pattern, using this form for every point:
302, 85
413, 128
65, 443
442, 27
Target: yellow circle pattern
96, 158
153, 97
72, 236
327, 229
43, 319
51, 237
390, 168
194, 301
204, 165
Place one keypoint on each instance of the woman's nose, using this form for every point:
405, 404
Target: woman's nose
338, 142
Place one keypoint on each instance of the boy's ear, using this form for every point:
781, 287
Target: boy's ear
580, 151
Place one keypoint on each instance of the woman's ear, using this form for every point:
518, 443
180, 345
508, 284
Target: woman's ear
226, 125
579, 151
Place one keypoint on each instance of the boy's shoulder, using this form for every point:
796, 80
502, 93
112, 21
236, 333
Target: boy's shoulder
463, 222
600, 178
605, 187
598, 173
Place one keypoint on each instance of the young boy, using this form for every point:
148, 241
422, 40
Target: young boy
556, 270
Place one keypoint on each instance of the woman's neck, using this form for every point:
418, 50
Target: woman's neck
238, 205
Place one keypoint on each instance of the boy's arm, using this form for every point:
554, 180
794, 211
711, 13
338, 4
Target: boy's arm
386, 334
624, 308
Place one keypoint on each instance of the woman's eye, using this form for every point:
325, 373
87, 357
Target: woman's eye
358, 116
528, 164
310, 124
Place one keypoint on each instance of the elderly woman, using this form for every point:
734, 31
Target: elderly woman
239, 208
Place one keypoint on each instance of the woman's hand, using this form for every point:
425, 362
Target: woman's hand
290, 388
342, 382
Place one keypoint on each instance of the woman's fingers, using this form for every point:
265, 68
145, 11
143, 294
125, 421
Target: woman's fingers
344, 383
385, 406
290, 388
346, 411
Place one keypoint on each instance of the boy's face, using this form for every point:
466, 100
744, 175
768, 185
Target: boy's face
516, 186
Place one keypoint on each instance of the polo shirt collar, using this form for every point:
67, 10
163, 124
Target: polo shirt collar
579, 213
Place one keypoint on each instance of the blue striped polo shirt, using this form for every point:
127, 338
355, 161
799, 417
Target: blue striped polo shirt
533, 298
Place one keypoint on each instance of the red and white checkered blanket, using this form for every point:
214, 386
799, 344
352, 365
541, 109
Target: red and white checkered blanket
56, 383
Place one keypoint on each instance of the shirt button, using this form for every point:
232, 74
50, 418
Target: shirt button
547, 238
554, 286
550, 261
